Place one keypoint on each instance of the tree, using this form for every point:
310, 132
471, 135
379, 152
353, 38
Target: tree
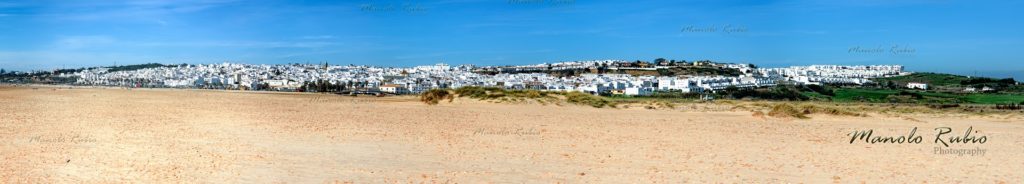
730, 90
305, 86
322, 85
659, 60
2, 71
892, 85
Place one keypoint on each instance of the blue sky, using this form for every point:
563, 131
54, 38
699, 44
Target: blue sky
931, 35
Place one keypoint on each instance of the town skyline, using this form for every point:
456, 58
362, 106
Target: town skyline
41, 68
935, 36
597, 77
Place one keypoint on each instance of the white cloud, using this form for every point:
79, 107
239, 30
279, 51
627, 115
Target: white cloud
318, 37
93, 41
79, 42
150, 10
244, 44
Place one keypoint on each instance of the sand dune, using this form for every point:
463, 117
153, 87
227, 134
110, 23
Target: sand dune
86, 135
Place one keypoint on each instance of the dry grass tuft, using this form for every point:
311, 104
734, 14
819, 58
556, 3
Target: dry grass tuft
801, 111
434, 96
784, 110
817, 109
587, 99
757, 114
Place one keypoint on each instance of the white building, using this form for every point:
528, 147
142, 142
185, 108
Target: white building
393, 88
422, 78
917, 85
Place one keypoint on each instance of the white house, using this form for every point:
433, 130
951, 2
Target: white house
393, 88
642, 91
277, 83
917, 85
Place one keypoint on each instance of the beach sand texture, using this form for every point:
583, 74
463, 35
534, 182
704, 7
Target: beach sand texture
89, 135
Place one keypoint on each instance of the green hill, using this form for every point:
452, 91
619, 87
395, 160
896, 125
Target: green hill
135, 67
934, 79
948, 80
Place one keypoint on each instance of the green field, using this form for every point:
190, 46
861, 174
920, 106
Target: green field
934, 79
994, 98
853, 95
883, 95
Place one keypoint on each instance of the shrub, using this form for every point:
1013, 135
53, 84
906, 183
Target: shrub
758, 114
814, 109
433, 96
472, 92
1009, 106
824, 90
675, 94
911, 94
786, 110
586, 99
943, 106
533, 94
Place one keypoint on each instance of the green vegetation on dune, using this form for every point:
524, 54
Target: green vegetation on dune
495, 94
433, 96
657, 96
815, 96
801, 111
786, 110
587, 99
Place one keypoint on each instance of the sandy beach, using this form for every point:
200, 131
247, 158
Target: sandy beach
93, 135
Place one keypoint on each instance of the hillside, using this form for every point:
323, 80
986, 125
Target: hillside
950, 82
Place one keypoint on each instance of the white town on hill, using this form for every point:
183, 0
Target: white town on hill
412, 80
